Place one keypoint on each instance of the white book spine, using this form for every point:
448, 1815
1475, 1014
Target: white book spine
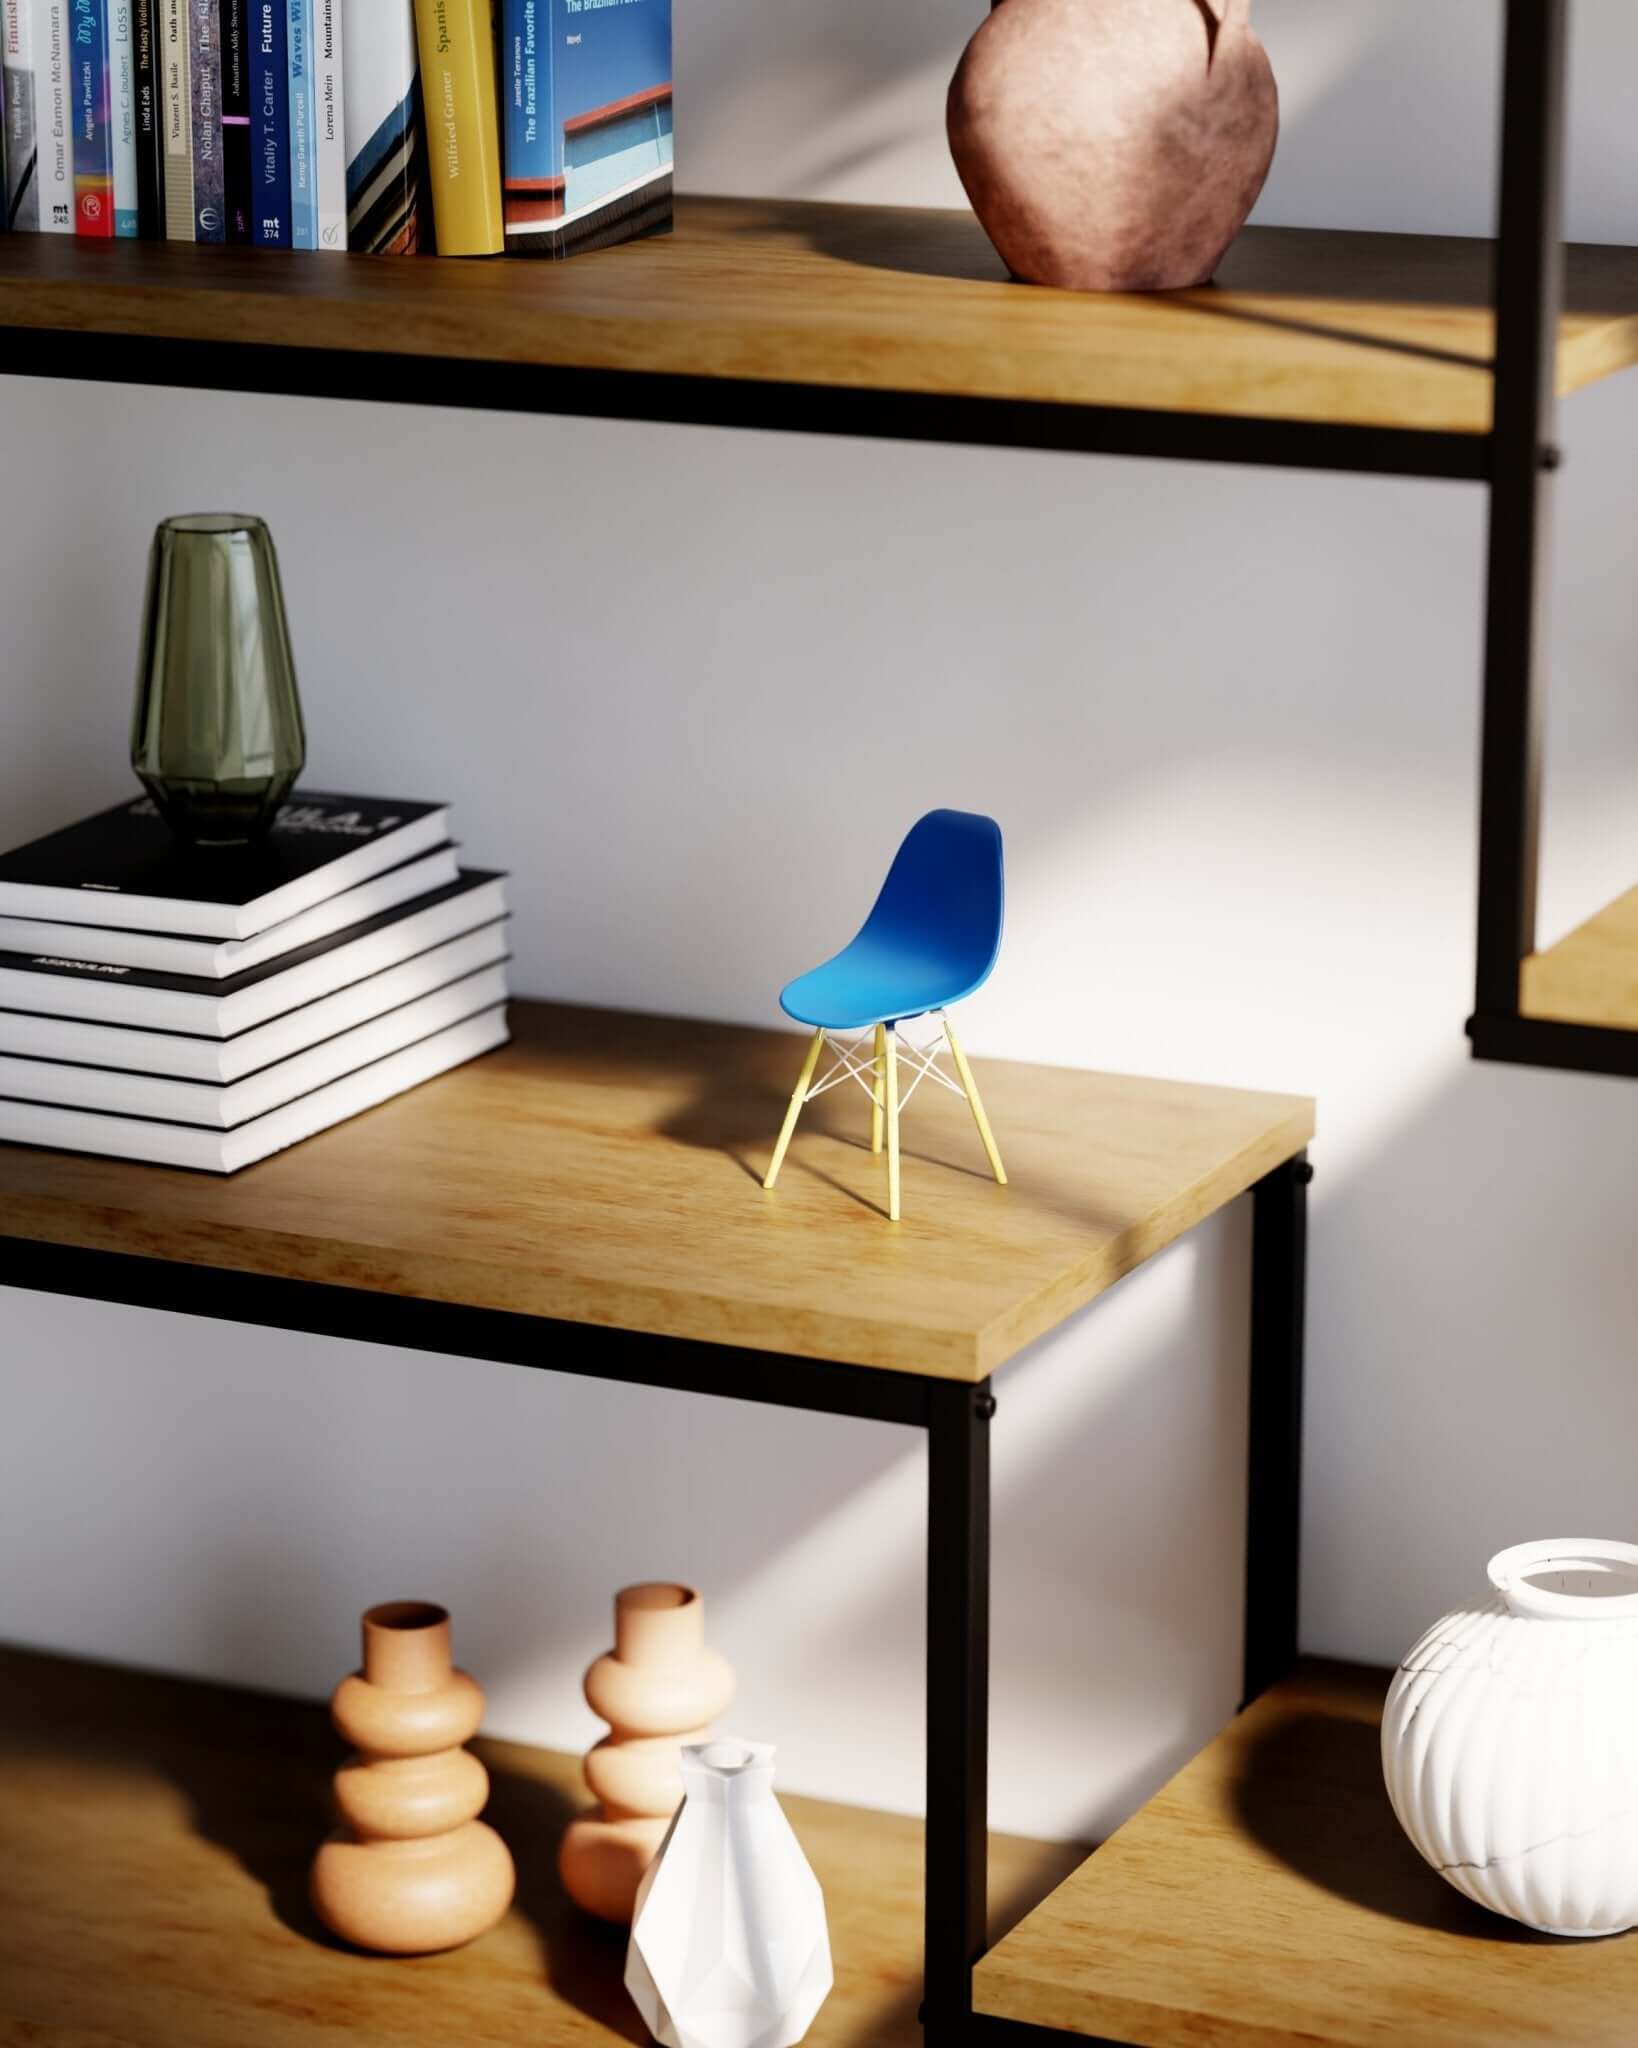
330, 153
124, 1137
122, 114
21, 201
53, 115
383, 126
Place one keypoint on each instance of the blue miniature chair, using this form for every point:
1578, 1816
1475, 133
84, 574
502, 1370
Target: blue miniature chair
932, 939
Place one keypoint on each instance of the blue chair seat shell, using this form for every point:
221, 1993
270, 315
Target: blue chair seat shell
931, 939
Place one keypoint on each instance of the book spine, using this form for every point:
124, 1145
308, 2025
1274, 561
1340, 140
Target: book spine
149, 121
330, 139
299, 57
233, 32
20, 202
456, 40
122, 114
386, 137
587, 90
53, 117
532, 170
93, 148
176, 112
269, 127
205, 93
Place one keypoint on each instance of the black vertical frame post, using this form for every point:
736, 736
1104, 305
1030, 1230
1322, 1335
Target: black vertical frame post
1529, 303
958, 1701
1279, 1270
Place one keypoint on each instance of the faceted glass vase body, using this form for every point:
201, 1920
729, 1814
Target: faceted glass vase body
1509, 1745
216, 735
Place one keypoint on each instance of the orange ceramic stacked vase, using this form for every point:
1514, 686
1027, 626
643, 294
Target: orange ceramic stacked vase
658, 1688
411, 1868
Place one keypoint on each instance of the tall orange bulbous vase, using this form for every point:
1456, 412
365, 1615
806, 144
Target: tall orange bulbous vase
1114, 145
411, 1868
658, 1688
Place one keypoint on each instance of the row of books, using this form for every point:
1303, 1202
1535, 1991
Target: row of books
206, 1007
537, 127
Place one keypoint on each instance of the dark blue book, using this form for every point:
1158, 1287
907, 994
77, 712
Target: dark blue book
237, 183
269, 126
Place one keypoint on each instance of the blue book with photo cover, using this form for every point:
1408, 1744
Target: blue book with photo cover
586, 107
269, 127
303, 125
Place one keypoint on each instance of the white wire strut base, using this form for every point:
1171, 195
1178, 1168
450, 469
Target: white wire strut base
873, 1058
852, 1065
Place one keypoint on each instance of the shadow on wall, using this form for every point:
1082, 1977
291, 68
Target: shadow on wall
849, 100
1505, 1199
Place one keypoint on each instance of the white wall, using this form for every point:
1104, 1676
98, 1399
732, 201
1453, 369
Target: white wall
1229, 723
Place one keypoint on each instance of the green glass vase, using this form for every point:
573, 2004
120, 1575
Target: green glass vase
216, 736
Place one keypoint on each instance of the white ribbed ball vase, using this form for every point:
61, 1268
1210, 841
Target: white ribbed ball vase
1510, 1739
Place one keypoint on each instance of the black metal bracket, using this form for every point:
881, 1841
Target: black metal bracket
958, 1702
1524, 455
360, 1316
1279, 1267
767, 406
1540, 1042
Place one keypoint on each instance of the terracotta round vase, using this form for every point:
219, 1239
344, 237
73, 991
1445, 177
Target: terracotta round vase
411, 1868
1114, 145
658, 1688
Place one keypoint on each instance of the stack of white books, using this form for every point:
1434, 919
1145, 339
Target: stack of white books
208, 1006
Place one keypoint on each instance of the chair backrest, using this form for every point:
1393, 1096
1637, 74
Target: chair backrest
943, 894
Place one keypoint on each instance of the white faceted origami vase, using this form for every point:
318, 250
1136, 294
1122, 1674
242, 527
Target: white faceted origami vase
1510, 1740
729, 1947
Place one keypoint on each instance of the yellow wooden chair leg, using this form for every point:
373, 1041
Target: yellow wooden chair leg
878, 1086
799, 1095
891, 1063
976, 1104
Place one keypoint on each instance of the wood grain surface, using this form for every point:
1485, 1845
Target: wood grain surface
604, 1168
1267, 1899
1302, 324
154, 1843
1591, 976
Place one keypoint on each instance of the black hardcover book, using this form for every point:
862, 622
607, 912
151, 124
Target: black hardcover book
57, 985
124, 867
150, 125
236, 171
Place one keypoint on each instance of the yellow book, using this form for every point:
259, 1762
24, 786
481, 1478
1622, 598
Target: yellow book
457, 44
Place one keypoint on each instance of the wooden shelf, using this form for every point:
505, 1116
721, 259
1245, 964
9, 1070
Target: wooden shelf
1267, 1899
1590, 977
845, 318
604, 1168
154, 1843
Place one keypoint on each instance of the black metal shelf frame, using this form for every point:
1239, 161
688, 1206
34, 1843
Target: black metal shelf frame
1524, 462
1516, 460
956, 1417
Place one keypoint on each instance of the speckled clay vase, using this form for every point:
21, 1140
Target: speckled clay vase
411, 1868
1510, 1740
658, 1688
1114, 145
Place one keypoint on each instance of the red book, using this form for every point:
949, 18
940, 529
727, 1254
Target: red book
93, 139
